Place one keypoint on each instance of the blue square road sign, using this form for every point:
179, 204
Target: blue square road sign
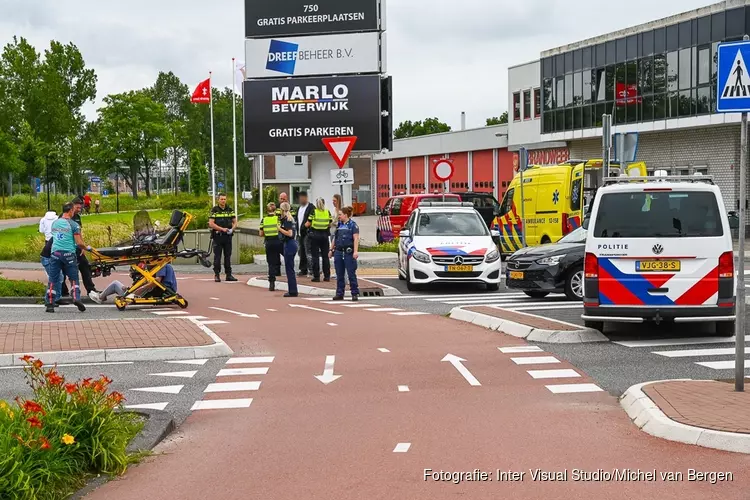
733, 82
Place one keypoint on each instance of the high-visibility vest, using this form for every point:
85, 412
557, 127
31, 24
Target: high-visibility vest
269, 226
321, 220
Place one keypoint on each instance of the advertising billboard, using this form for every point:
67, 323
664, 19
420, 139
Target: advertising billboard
297, 17
313, 55
284, 116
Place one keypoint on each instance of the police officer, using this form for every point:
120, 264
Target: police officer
319, 223
269, 229
223, 222
345, 252
288, 229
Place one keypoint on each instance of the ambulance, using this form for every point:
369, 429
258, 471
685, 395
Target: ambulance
555, 200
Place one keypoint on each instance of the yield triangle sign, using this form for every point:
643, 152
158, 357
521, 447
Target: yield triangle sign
340, 148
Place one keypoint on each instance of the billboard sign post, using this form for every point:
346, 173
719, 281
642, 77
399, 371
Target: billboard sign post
443, 170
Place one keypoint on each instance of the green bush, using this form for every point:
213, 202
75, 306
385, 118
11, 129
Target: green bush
391, 246
21, 288
49, 445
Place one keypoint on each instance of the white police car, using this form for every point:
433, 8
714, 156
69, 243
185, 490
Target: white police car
447, 242
659, 250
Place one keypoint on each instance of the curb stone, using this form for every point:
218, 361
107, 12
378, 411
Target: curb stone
584, 335
159, 424
647, 416
216, 350
314, 291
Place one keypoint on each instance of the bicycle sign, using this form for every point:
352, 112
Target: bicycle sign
342, 176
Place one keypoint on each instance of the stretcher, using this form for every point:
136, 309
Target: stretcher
147, 254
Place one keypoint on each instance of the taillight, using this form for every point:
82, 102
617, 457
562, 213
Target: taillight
565, 224
726, 265
591, 266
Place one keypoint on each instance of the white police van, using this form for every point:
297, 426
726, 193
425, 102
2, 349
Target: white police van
659, 249
448, 242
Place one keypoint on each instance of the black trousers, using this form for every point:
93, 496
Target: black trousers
222, 245
320, 246
85, 268
274, 248
305, 253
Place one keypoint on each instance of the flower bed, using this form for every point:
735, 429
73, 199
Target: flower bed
51, 444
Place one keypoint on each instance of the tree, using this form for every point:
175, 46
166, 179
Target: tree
498, 120
415, 129
198, 174
174, 95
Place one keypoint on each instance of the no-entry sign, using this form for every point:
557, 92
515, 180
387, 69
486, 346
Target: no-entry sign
443, 169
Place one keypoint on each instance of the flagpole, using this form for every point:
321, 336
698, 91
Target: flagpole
234, 133
213, 169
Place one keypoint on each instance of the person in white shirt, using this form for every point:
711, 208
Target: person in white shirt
45, 224
303, 234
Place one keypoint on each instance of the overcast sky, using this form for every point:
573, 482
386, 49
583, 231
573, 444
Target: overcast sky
446, 56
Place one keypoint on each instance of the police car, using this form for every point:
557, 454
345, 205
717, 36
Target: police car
659, 249
447, 242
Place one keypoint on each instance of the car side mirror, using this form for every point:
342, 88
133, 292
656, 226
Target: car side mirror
495, 233
404, 233
378, 211
585, 224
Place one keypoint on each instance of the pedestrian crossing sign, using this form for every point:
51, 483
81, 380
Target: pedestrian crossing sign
733, 85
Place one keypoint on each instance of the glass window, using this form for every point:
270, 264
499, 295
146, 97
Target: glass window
548, 122
575, 195
693, 66
673, 105
576, 236
714, 59
660, 74
600, 58
516, 106
569, 62
586, 54
560, 120
684, 75
569, 119
527, 104
704, 101
647, 108
660, 41
672, 37
672, 71
646, 72
685, 36
547, 67
621, 50
611, 55
588, 78
647, 43
660, 106
577, 118
396, 207
671, 214
577, 89
610, 83
560, 92
632, 46
620, 84
507, 203
450, 224
704, 65
577, 60
599, 110
717, 27
568, 89
547, 92
685, 103
587, 116
735, 23
600, 76
704, 30
537, 104
559, 65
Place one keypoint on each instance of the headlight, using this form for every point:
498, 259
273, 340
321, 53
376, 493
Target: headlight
550, 261
421, 256
492, 256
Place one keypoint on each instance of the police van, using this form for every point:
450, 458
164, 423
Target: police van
659, 249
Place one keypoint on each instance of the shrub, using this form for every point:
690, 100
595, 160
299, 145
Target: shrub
50, 444
391, 246
21, 288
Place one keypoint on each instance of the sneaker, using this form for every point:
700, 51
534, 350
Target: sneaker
327, 279
355, 298
338, 297
80, 305
230, 278
291, 295
315, 280
95, 297
217, 278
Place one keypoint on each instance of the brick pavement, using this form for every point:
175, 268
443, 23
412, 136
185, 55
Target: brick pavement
708, 404
46, 336
524, 319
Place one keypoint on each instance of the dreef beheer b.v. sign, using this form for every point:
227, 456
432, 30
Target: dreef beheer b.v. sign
310, 17
294, 115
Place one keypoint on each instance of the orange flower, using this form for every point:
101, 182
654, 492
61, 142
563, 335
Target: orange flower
116, 397
34, 422
53, 378
33, 407
26, 358
44, 443
37, 364
86, 382
98, 386
71, 388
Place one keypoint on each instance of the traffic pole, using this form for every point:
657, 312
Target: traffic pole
739, 367
522, 164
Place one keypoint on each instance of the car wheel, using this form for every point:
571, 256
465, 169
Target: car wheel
545, 240
574, 284
537, 295
725, 328
493, 287
409, 285
378, 237
594, 325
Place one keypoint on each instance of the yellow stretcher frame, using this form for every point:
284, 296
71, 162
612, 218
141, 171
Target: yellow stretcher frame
155, 262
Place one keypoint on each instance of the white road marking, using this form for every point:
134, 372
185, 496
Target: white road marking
221, 404
355, 305
189, 362
240, 314
197, 318
214, 298
213, 322
103, 363
185, 374
465, 373
541, 308
402, 448
699, 352
681, 341
327, 377
250, 360
232, 386
384, 309
148, 406
272, 310
573, 388
230, 372
535, 360
409, 313
168, 313
723, 365
403, 388
300, 306
520, 349
166, 389
383, 349
332, 324
41, 306
568, 373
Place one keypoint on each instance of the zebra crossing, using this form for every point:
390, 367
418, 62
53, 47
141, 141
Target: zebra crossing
508, 300
715, 353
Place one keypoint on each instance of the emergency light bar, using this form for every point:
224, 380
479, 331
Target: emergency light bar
661, 178
446, 204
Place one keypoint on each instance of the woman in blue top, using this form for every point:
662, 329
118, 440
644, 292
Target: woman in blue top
288, 232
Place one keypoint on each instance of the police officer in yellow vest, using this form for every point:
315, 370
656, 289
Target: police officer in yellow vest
319, 223
269, 229
223, 221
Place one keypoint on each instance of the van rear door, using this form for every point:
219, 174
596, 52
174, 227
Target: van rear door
662, 247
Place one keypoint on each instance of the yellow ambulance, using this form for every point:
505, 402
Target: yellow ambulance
555, 198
